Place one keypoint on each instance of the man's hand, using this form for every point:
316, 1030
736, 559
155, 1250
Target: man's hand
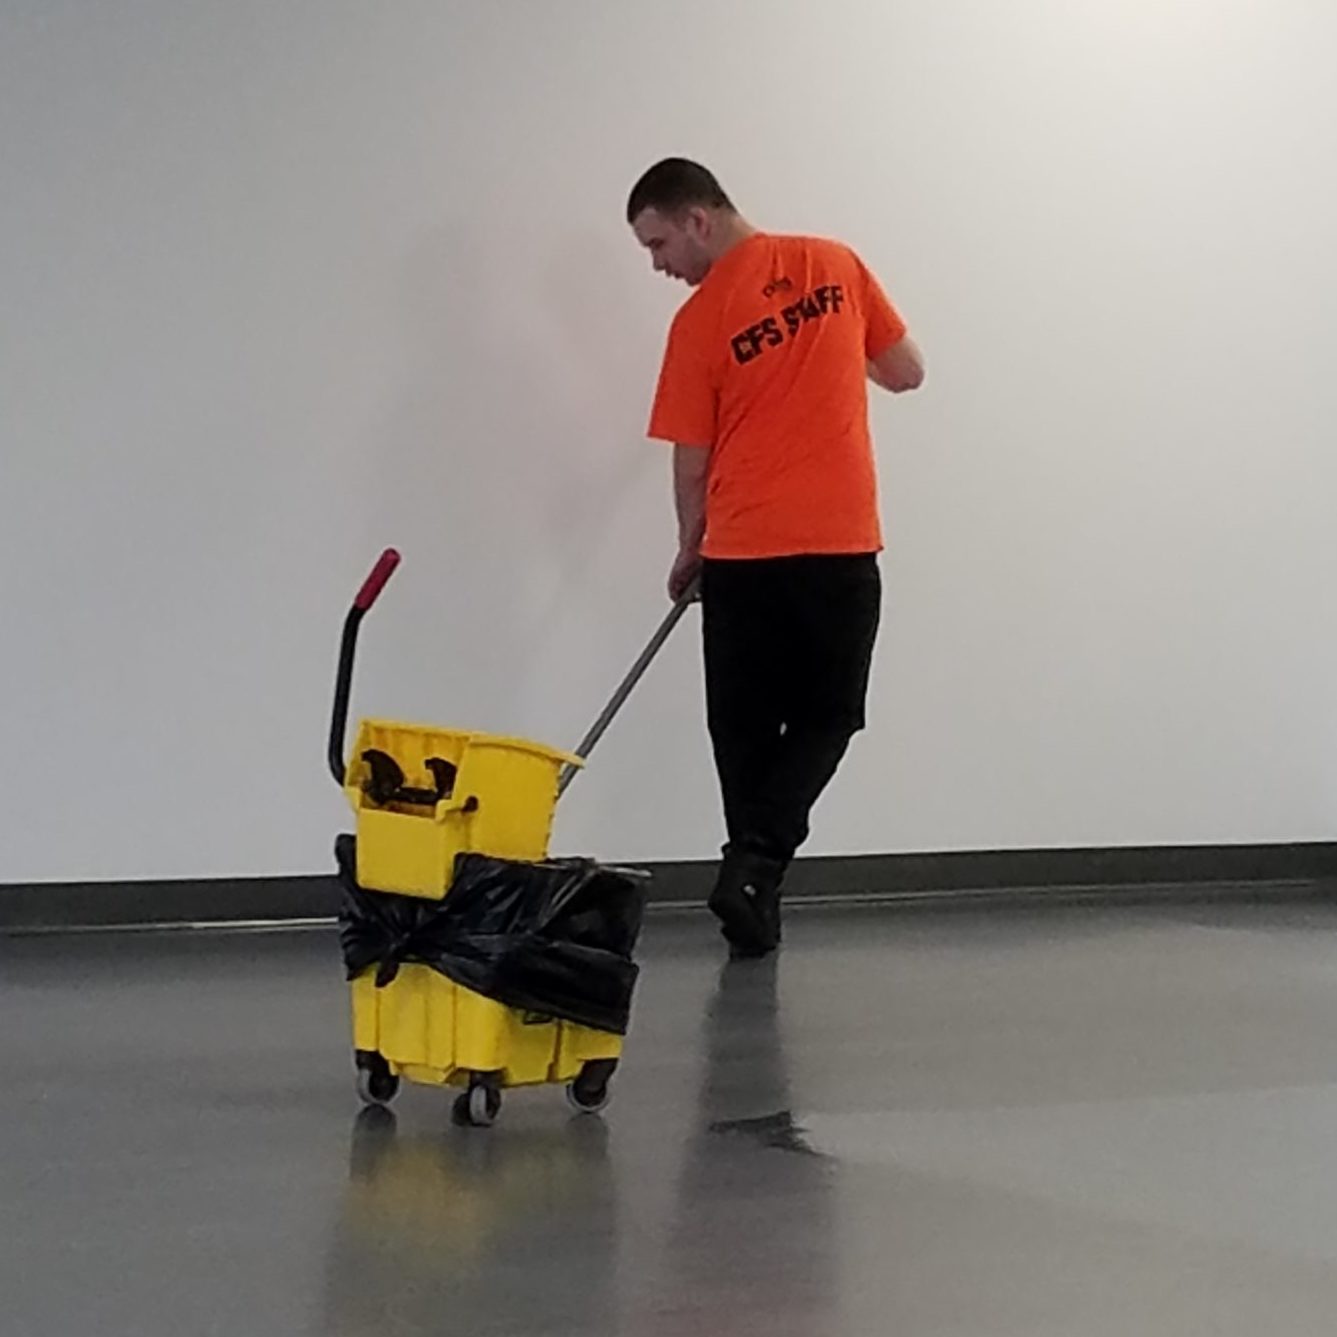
686, 572
691, 469
898, 368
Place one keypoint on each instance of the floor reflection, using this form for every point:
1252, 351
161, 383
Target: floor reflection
509, 1229
751, 1244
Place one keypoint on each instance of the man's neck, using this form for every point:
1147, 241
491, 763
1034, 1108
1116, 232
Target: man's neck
733, 230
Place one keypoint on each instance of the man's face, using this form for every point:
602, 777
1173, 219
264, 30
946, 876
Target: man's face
677, 245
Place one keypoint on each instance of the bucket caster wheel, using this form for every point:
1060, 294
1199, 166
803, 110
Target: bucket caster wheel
589, 1093
376, 1084
479, 1106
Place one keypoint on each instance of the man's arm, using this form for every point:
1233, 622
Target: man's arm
898, 368
691, 468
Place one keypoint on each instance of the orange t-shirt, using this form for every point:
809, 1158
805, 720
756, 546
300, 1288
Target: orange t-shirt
767, 366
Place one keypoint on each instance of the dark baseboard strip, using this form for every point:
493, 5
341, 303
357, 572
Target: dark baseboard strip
82, 905
977, 878
982, 872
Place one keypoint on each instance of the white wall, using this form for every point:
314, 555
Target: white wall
284, 283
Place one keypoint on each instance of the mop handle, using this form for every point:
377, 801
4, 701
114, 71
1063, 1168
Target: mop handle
634, 675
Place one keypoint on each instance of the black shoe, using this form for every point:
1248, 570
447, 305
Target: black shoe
746, 901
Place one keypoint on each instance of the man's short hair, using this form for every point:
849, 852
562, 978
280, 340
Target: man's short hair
673, 185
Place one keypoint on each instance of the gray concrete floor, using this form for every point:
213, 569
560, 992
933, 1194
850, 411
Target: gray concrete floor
1093, 1121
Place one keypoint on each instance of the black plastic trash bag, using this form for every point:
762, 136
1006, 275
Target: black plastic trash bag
377, 929
553, 939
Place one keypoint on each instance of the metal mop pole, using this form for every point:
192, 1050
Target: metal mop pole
637, 671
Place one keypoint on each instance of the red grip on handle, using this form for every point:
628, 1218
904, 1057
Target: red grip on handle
375, 583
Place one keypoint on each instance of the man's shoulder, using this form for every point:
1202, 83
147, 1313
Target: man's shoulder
694, 311
827, 247
683, 316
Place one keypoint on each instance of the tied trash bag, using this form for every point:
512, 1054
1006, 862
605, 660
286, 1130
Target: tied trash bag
553, 939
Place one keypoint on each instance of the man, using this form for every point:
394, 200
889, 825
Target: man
763, 393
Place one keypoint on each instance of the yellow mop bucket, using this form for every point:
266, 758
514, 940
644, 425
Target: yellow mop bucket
423, 796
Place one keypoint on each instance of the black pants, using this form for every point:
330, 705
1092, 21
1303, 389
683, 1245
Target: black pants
788, 647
